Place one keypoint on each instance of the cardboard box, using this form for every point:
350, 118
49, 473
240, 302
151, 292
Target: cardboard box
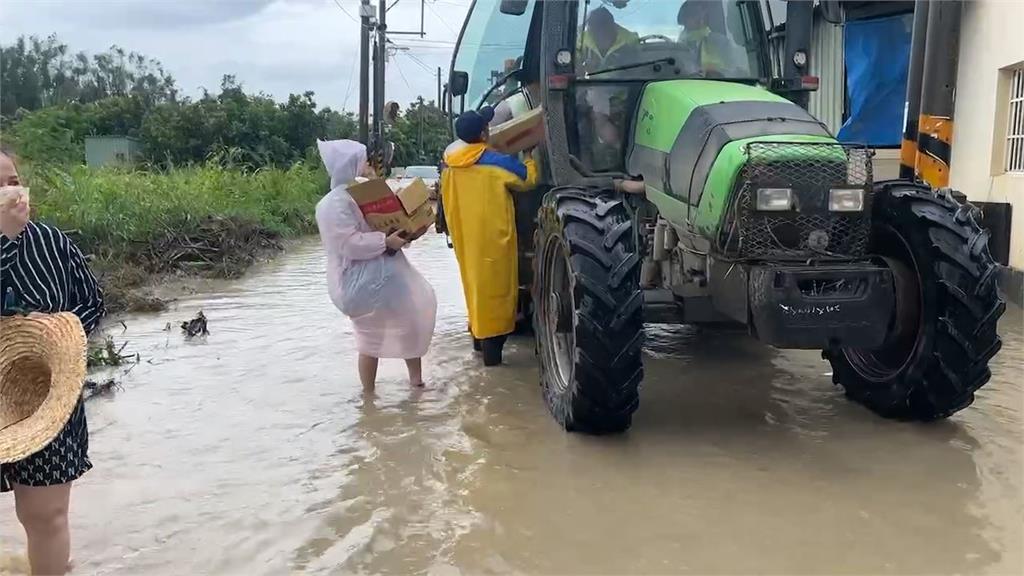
387, 210
520, 133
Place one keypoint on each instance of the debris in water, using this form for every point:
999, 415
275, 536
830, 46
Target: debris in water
105, 388
195, 326
108, 354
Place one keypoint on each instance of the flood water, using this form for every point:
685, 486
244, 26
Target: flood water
253, 451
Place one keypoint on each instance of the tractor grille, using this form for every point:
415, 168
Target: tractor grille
811, 171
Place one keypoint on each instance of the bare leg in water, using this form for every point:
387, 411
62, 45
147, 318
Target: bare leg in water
43, 511
415, 366
368, 372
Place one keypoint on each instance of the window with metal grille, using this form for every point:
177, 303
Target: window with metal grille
1015, 123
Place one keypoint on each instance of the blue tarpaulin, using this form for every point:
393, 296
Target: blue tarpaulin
877, 56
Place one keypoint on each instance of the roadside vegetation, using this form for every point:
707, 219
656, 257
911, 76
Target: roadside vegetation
223, 178
205, 219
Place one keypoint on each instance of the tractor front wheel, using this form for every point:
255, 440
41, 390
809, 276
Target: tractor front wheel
588, 311
947, 306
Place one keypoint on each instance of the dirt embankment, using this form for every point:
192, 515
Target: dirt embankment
213, 248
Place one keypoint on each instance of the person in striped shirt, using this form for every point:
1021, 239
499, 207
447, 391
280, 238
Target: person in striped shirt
41, 270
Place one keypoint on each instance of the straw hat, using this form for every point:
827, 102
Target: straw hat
42, 369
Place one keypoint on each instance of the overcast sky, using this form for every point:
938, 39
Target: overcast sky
274, 46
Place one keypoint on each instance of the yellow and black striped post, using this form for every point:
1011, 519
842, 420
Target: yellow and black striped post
938, 92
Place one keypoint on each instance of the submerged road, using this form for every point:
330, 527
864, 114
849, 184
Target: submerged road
253, 451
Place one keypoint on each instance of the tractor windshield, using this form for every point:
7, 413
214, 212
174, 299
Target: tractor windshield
680, 38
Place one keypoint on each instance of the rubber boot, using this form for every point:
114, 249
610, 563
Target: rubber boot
477, 347
492, 348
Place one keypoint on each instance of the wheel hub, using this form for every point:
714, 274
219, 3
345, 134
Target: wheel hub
908, 301
893, 357
559, 339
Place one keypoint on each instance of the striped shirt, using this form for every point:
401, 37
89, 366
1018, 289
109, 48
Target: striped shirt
45, 272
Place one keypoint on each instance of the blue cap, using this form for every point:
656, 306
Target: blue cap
469, 126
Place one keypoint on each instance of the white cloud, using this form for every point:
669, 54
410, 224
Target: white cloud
274, 46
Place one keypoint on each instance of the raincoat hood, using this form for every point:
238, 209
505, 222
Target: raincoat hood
460, 154
343, 159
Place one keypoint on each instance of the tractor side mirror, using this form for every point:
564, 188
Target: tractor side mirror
458, 84
514, 7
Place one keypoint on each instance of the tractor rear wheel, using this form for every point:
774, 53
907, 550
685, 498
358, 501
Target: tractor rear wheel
588, 311
947, 307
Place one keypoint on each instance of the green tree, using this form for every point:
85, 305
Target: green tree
420, 135
36, 73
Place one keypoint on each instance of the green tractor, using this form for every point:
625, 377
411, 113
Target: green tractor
684, 184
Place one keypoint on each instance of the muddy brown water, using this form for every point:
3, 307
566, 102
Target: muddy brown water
253, 451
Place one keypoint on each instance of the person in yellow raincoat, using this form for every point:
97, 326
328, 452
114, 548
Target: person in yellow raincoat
476, 187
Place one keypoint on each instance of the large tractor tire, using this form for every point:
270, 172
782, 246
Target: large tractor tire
588, 311
947, 306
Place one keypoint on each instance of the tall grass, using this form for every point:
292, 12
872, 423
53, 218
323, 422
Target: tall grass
112, 211
135, 223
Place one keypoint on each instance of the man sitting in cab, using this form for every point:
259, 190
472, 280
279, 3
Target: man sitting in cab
713, 52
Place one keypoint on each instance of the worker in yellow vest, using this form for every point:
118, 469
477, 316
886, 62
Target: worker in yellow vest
714, 53
603, 38
602, 41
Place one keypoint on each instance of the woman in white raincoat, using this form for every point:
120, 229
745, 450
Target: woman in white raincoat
391, 305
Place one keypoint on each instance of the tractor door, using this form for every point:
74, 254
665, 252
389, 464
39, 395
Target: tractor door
489, 54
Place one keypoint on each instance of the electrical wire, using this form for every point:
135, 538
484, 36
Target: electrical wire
347, 13
443, 21
421, 64
402, 74
351, 75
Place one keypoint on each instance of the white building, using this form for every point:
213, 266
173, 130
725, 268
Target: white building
987, 162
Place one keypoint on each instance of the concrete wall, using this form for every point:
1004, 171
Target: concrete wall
991, 41
111, 151
827, 62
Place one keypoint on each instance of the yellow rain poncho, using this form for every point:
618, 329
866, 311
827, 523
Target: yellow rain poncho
476, 187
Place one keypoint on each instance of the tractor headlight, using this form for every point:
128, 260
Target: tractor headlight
846, 200
774, 199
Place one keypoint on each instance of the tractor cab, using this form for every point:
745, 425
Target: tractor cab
587, 62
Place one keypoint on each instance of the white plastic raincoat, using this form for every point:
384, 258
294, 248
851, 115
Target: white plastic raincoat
400, 323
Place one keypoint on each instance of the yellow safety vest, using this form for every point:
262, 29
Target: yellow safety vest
623, 38
709, 58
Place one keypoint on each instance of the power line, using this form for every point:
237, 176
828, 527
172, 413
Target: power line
351, 74
443, 21
402, 74
347, 13
420, 63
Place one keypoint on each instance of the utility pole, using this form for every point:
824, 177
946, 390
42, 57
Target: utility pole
439, 87
365, 16
375, 141
380, 56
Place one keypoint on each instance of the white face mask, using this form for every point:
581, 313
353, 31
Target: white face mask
11, 194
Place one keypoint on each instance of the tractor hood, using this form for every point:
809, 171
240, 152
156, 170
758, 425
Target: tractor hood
683, 127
